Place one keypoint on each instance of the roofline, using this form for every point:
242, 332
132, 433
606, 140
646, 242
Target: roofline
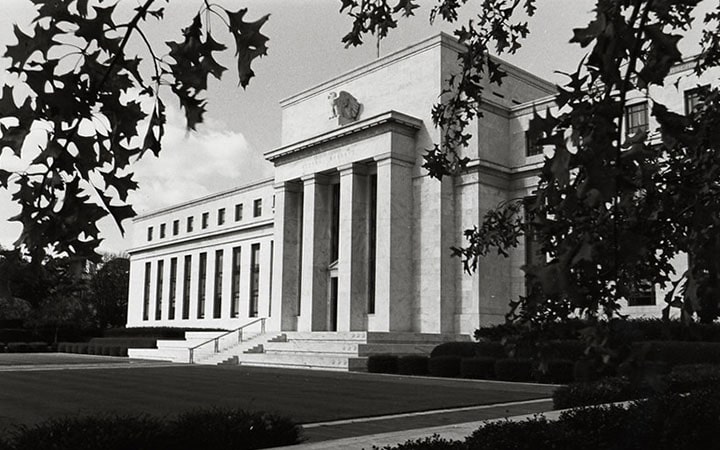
214, 196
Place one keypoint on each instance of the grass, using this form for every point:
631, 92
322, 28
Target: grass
306, 396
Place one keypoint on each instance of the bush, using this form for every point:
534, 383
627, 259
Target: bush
478, 368
444, 366
510, 369
607, 390
82, 348
18, 347
413, 365
434, 442
39, 347
218, 429
558, 371
132, 342
382, 363
464, 349
154, 332
679, 353
686, 378
232, 429
564, 349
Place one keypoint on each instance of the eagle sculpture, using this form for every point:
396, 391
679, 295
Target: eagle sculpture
345, 107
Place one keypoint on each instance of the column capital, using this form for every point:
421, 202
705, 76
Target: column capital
288, 186
315, 178
393, 158
353, 169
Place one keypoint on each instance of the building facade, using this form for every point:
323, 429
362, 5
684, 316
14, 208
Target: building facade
351, 234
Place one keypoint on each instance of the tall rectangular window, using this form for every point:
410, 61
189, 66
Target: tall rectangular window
176, 227
149, 234
146, 293
335, 222
159, 290
636, 119
643, 294
221, 216
693, 97
235, 280
186, 287
272, 259
257, 208
254, 280
205, 220
162, 231
531, 146
202, 274
217, 303
173, 286
190, 223
238, 212
372, 243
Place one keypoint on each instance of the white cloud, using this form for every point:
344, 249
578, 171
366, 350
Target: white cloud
191, 165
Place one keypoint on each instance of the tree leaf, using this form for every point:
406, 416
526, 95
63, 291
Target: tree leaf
250, 43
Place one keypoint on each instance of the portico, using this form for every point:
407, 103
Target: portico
343, 229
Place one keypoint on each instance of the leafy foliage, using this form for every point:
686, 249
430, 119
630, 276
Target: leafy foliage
92, 110
109, 293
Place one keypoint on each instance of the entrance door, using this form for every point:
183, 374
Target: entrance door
332, 307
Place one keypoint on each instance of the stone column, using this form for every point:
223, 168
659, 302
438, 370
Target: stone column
286, 270
315, 253
353, 248
394, 307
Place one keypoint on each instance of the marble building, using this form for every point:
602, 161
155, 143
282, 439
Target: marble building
351, 234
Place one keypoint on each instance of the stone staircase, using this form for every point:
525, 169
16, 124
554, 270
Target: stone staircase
341, 351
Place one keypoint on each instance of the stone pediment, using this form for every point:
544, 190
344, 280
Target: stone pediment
391, 121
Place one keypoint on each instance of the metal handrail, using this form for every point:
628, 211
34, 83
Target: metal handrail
216, 340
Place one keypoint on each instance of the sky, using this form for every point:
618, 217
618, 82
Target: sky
305, 49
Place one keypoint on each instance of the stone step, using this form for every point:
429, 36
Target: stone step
395, 348
404, 337
360, 336
203, 335
174, 355
312, 346
310, 361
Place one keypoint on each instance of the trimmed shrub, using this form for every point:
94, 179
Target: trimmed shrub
564, 349
510, 369
18, 347
82, 348
434, 442
413, 365
444, 366
686, 378
132, 342
607, 390
154, 332
232, 429
39, 347
464, 349
478, 368
15, 335
558, 371
532, 434
679, 353
382, 363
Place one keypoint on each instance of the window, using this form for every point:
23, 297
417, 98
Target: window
159, 290
202, 273
643, 294
176, 227
636, 119
238, 212
186, 287
531, 146
534, 254
190, 222
257, 208
146, 294
162, 230
221, 216
235, 302
173, 286
149, 234
217, 304
205, 220
254, 280
693, 97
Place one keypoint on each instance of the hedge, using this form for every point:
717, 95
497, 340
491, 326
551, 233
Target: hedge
413, 365
478, 368
27, 347
679, 353
469, 349
444, 366
382, 363
155, 332
510, 369
219, 429
557, 371
671, 422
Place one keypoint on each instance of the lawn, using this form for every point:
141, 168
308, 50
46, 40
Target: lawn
306, 396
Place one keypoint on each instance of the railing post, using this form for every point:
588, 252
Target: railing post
262, 326
217, 345
191, 355
240, 335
